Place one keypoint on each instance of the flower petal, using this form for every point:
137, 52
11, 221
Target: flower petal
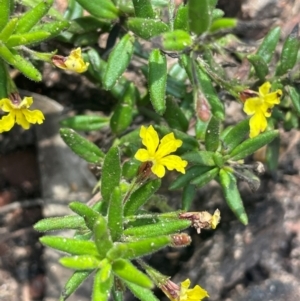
21, 120
158, 169
26, 103
7, 122
142, 155
6, 105
168, 144
258, 123
251, 105
273, 98
173, 162
264, 89
74, 61
150, 139
35, 116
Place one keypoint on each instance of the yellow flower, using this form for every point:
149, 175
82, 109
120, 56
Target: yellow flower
260, 108
186, 294
215, 219
158, 152
18, 113
73, 62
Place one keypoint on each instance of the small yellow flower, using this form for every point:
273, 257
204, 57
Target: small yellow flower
73, 62
157, 152
18, 113
260, 108
195, 294
215, 219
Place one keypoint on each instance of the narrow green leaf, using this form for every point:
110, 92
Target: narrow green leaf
223, 23
3, 79
128, 272
294, 94
101, 288
199, 16
86, 24
70, 245
157, 80
115, 214
59, 223
267, 48
272, 154
53, 28
74, 10
100, 8
146, 28
289, 53
188, 195
27, 38
118, 61
212, 136
139, 197
176, 40
81, 146
181, 18
251, 145
111, 173
73, 283
102, 237
85, 122
140, 292
232, 195
4, 13
8, 30
33, 16
143, 9
204, 158
82, 262
205, 177
260, 66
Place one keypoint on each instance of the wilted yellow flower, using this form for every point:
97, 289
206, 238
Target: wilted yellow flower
157, 152
18, 113
183, 293
215, 219
260, 108
73, 62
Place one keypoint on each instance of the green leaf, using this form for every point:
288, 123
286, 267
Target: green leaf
118, 61
128, 272
100, 8
9, 28
157, 80
81, 146
199, 16
53, 28
59, 223
115, 214
162, 227
260, 66
205, 177
146, 28
181, 18
140, 292
102, 237
73, 283
272, 154
85, 122
188, 195
74, 10
251, 145
223, 23
4, 13
212, 135
174, 116
90, 215
111, 173
123, 112
101, 288
267, 48
288, 56
204, 158
86, 24
4, 77
232, 195
33, 16
27, 38
176, 40
70, 245
294, 94
185, 179
236, 135
141, 247
82, 262
140, 196
143, 9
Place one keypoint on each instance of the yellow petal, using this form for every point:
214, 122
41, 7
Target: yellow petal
168, 145
21, 120
264, 89
173, 162
150, 139
215, 219
35, 116
74, 62
158, 169
197, 293
257, 123
6, 105
273, 98
7, 122
26, 103
251, 105
142, 155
